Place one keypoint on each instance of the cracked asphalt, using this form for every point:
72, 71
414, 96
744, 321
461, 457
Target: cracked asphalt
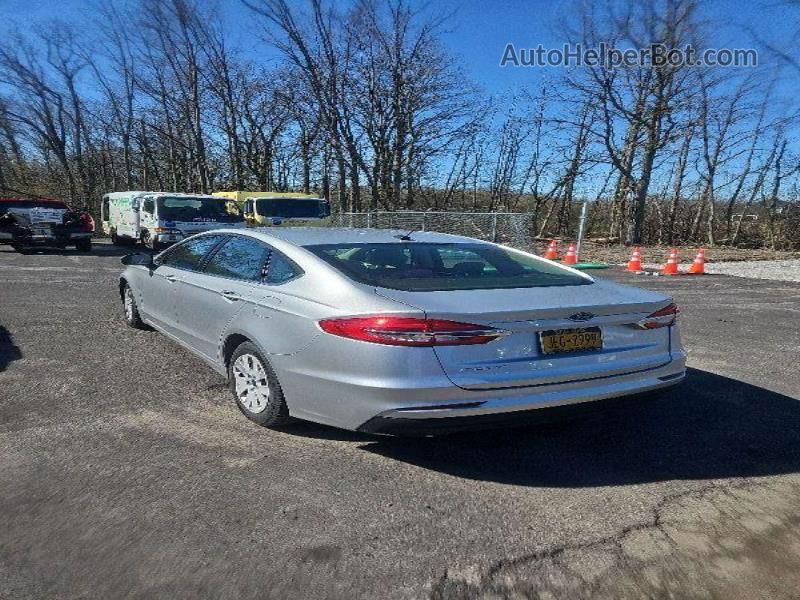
126, 471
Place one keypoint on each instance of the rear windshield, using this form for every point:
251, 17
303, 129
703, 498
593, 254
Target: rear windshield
293, 208
427, 267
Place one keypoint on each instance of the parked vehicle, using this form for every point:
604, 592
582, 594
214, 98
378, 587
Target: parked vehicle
158, 219
386, 332
262, 209
27, 222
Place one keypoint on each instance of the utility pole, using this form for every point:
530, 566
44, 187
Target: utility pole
582, 225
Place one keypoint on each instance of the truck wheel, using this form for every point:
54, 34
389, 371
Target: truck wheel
132, 317
150, 242
255, 387
84, 245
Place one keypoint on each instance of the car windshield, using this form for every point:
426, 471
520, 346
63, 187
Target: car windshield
196, 209
425, 267
8, 204
289, 208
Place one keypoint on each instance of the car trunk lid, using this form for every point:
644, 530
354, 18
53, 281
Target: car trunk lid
518, 360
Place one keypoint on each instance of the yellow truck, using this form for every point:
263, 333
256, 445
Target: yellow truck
280, 208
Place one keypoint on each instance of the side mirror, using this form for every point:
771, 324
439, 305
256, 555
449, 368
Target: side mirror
138, 258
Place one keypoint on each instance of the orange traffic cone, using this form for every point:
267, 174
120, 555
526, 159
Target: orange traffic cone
671, 268
572, 256
552, 251
699, 265
635, 263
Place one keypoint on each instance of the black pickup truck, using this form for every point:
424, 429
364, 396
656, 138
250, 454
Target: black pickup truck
26, 222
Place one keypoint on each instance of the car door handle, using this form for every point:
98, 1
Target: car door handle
171, 278
228, 295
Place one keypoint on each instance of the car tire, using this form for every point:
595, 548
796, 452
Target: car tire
255, 387
132, 316
84, 245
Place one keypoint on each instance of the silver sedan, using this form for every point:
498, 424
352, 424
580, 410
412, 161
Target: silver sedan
396, 332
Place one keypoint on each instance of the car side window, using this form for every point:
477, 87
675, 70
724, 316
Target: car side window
239, 258
189, 255
149, 206
281, 269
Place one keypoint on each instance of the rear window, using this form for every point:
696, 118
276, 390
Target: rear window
427, 267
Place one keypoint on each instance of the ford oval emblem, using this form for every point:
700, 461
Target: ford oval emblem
581, 316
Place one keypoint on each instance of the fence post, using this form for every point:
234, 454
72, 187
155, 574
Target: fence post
423, 221
369, 220
494, 227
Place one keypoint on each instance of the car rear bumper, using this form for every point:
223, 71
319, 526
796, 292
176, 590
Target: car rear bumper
542, 408
23, 236
431, 401
399, 425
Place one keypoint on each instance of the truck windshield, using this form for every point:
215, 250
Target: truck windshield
293, 208
196, 209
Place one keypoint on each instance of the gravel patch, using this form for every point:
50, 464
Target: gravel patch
777, 270
780, 270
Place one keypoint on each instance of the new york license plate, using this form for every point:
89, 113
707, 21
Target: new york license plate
556, 341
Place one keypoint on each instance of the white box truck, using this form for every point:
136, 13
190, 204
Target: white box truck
158, 219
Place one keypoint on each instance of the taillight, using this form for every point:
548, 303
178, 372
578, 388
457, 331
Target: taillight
86, 221
663, 317
407, 331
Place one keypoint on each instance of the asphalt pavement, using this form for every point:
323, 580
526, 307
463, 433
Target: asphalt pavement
126, 470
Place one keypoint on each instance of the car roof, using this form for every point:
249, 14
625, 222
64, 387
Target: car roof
160, 194
286, 196
51, 200
307, 236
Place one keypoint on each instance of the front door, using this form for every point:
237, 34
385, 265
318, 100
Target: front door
173, 267
209, 300
159, 297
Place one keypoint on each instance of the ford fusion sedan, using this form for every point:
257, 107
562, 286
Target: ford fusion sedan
396, 332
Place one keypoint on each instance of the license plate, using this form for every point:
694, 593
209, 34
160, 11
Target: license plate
556, 341
41, 230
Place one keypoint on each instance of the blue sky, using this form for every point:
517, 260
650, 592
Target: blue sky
479, 29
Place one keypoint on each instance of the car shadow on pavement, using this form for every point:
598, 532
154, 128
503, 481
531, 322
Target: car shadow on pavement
9, 352
710, 427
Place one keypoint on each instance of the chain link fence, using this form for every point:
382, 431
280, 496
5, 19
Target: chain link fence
511, 229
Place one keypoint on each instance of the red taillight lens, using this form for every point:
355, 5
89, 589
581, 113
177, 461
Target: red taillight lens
663, 317
87, 222
406, 331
